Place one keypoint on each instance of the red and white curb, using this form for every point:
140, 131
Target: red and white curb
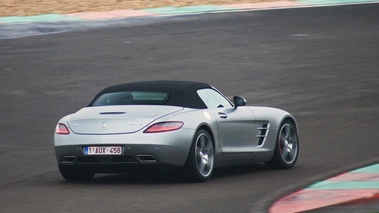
348, 187
163, 11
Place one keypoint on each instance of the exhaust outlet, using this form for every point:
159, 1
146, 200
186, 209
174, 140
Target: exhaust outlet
68, 159
147, 158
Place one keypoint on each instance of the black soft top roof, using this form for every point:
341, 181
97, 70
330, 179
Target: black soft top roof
182, 93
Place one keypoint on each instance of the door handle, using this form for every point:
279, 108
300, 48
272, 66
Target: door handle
222, 115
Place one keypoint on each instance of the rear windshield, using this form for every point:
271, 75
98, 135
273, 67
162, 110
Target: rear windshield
132, 98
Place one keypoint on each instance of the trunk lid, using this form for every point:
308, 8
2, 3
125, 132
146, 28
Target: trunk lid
116, 119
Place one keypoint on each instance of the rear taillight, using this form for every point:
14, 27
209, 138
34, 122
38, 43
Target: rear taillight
164, 127
61, 129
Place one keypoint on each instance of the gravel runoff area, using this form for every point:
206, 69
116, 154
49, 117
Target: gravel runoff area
37, 7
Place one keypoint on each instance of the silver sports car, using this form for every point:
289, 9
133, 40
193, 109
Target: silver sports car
165, 124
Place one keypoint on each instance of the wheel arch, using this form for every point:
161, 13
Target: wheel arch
291, 119
191, 169
277, 161
209, 130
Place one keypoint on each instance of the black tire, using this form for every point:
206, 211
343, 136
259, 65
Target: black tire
286, 148
200, 161
75, 174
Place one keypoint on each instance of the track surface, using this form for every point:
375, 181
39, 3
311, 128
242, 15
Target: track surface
321, 64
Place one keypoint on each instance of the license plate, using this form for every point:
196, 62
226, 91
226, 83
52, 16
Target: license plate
103, 150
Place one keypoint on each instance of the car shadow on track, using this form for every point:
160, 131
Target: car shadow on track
171, 177
241, 170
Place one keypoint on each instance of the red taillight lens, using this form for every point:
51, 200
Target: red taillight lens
164, 127
61, 129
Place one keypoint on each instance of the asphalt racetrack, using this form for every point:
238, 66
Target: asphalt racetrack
321, 64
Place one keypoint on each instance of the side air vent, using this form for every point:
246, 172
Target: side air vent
262, 133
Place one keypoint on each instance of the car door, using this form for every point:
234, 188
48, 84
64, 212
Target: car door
236, 128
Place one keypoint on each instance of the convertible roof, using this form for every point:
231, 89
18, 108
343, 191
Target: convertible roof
182, 93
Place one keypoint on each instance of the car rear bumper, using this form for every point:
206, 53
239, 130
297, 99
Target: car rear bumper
139, 150
133, 156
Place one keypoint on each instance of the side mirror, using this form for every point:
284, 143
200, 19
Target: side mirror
239, 101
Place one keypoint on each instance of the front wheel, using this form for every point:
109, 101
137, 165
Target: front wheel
75, 174
200, 162
286, 148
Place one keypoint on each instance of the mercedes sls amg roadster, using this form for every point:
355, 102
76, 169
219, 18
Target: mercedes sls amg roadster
171, 124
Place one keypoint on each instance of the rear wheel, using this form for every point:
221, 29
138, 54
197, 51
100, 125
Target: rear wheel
75, 174
287, 147
200, 162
